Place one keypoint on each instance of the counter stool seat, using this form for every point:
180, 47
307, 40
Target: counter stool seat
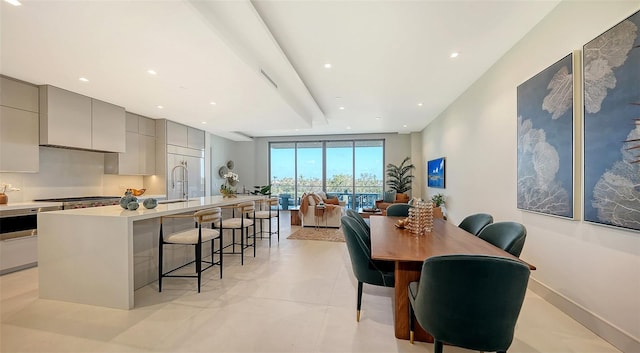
270, 212
196, 237
242, 218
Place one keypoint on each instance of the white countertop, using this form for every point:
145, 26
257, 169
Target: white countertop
24, 205
161, 210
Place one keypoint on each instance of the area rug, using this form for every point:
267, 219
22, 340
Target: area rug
325, 234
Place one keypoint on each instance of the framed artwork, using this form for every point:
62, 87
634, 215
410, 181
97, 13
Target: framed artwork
435, 173
546, 153
611, 67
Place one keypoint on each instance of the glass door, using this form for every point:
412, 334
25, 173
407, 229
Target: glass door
339, 170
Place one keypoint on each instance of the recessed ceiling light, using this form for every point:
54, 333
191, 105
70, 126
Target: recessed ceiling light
378, 117
348, 127
341, 108
213, 103
419, 104
152, 72
160, 107
327, 66
14, 2
204, 122
454, 54
404, 125
83, 79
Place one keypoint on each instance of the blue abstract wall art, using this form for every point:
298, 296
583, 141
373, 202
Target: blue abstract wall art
545, 141
435, 173
612, 126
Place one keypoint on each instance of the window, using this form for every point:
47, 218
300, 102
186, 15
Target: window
351, 170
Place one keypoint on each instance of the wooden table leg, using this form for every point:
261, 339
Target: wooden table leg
406, 272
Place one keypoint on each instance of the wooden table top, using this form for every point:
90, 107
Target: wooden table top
389, 242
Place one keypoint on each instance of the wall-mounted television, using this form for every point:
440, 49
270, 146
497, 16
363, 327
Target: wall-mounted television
435, 173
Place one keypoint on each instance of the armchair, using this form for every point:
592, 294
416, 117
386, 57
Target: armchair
328, 217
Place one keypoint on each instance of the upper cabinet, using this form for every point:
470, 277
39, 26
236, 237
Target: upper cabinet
184, 136
140, 155
69, 119
19, 150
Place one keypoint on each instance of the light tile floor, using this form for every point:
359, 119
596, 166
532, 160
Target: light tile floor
298, 296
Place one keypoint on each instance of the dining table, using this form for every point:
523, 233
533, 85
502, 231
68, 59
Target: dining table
408, 251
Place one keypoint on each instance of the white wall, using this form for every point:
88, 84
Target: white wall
596, 268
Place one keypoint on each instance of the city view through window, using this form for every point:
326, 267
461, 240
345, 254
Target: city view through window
352, 170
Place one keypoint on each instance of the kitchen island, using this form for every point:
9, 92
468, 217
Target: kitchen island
100, 255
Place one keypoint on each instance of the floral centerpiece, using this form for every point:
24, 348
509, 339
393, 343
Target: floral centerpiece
230, 181
4, 187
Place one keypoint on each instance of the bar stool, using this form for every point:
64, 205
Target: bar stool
196, 237
242, 217
269, 213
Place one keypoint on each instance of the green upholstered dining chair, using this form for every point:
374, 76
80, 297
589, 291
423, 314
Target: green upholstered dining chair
365, 270
508, 236
469, 301
355, 215
476, 222
194, 237
398, 210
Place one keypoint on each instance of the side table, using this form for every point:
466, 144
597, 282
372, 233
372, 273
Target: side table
295, 216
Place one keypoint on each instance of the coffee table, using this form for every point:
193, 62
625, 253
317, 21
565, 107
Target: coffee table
366, 214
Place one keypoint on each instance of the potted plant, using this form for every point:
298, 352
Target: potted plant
399, 177
438, 202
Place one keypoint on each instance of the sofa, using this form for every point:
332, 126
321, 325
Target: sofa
384, 203
328, 217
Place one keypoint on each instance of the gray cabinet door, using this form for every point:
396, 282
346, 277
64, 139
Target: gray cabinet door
108, 127
19, 95
132, 122
195, 138
147, 156
146, 126
65, 118
176, 134
19, 150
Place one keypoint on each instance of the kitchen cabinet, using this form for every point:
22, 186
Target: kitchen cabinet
184, 136
139, 157
19, 121
108, 124
176, 134
68, 119
195, 138
19, 95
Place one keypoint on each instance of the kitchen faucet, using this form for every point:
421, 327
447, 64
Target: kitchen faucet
185, 179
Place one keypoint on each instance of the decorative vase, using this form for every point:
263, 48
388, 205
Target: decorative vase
150, 203
3, 199
126, 199
133, 205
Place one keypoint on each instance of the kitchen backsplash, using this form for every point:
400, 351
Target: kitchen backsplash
66, 173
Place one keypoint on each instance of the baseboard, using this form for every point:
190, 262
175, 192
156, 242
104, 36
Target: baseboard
610, 333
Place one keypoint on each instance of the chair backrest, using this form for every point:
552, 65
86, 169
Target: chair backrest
471, 301
247, 208
355, 215
508, 236
476, 222
398, 209
360, 253
209, 215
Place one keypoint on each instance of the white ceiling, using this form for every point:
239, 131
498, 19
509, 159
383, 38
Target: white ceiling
387, 57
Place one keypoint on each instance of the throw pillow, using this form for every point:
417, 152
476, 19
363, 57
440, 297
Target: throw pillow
389, 196
332, 201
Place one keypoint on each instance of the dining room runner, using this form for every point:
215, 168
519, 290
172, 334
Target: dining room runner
323, 234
